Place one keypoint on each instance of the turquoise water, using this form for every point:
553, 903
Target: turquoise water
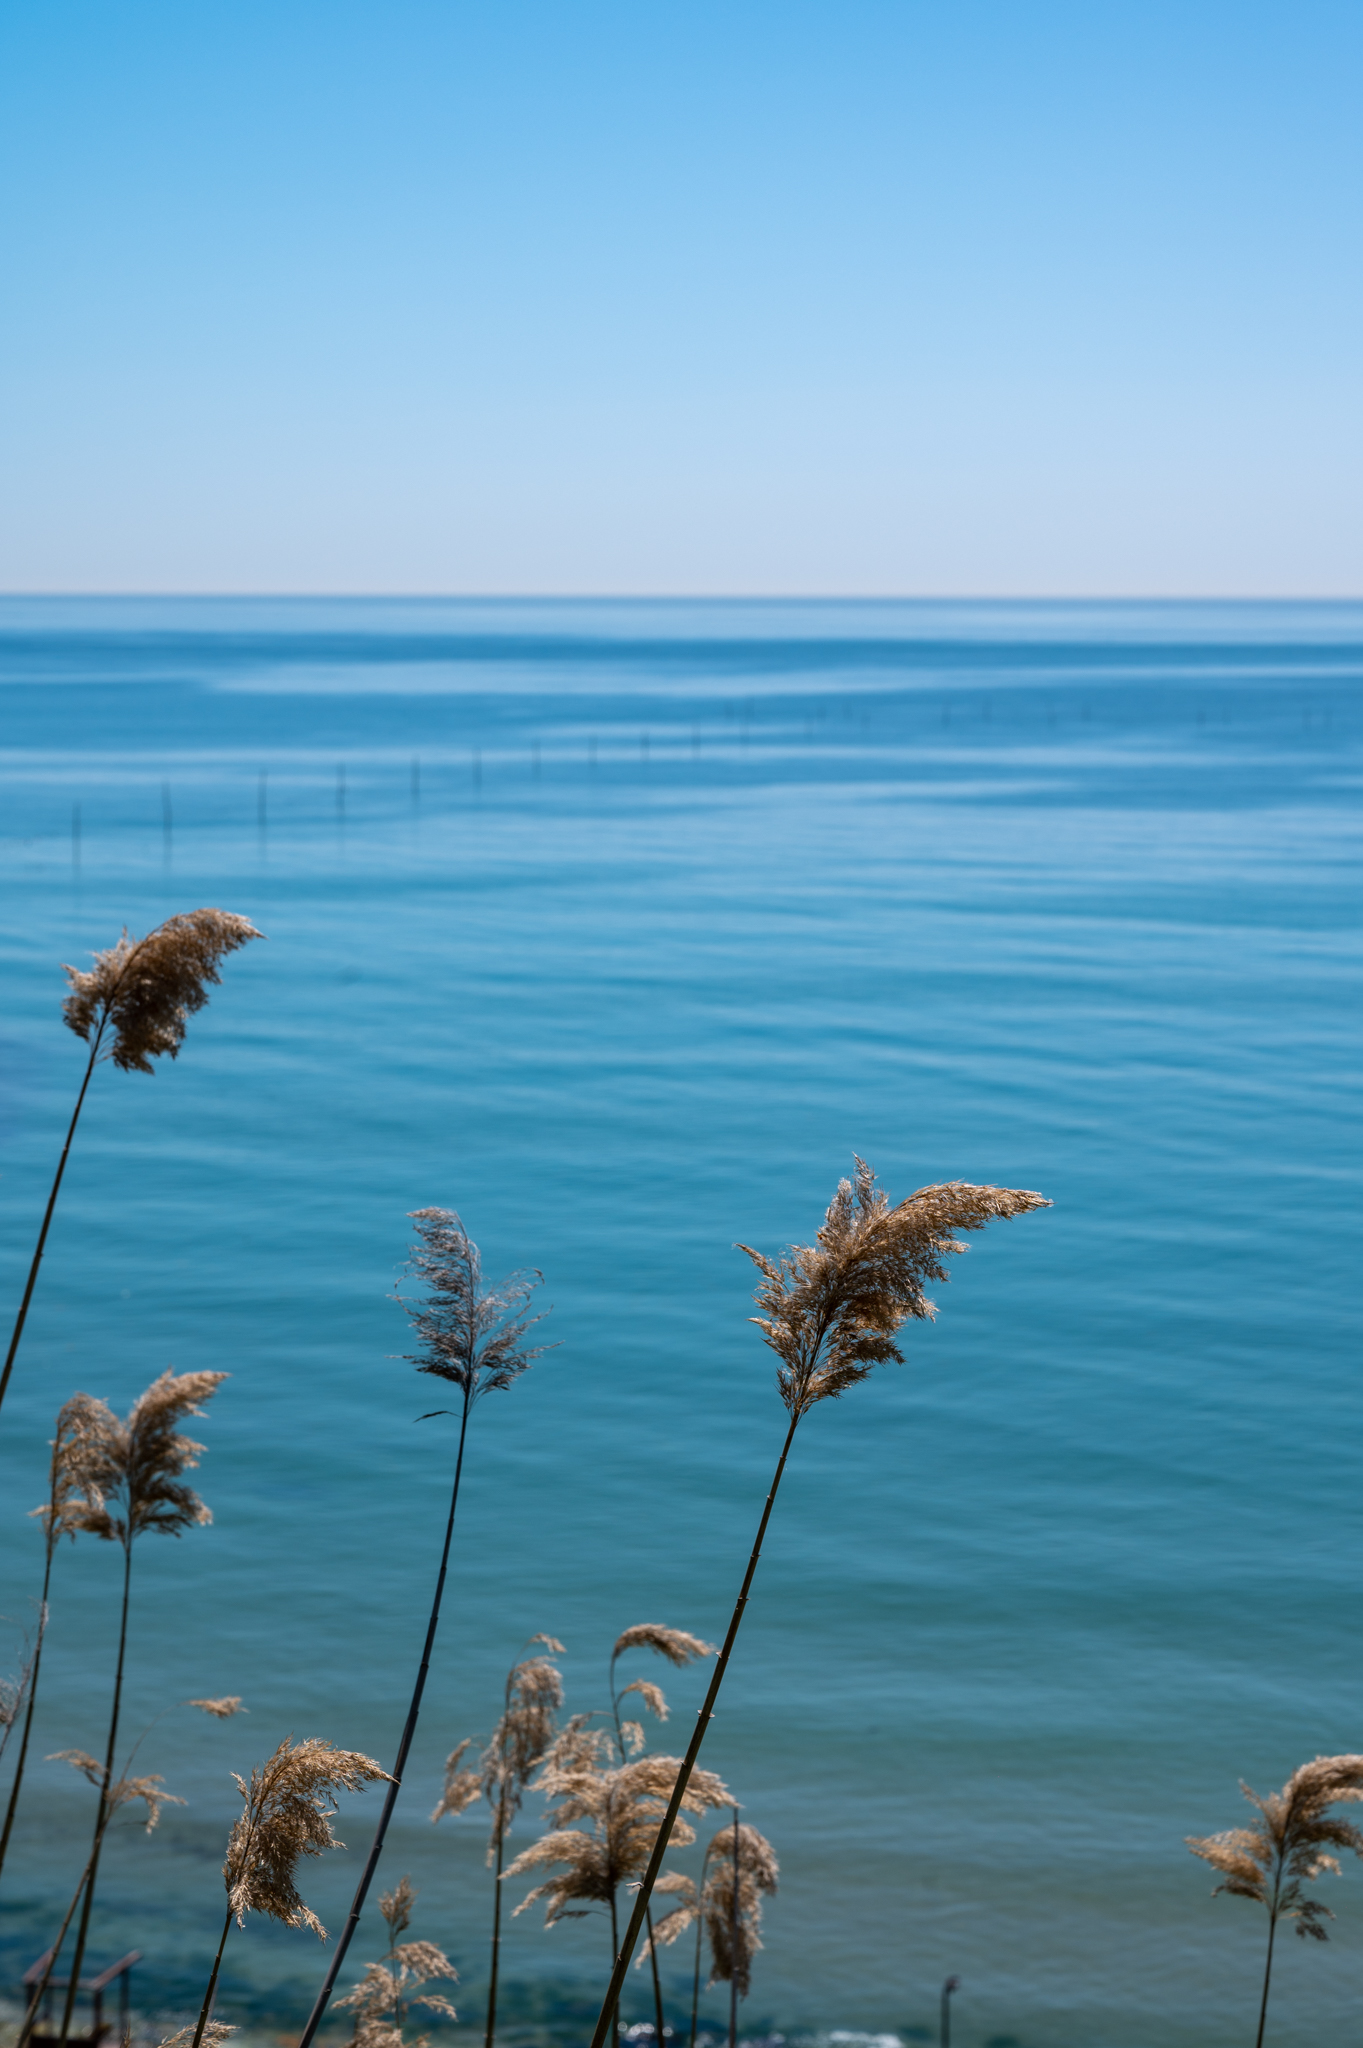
677, 908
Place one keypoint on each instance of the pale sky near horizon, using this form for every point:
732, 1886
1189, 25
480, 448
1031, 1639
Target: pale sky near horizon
809, 298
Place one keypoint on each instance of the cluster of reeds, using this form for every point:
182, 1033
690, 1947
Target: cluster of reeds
615, 1811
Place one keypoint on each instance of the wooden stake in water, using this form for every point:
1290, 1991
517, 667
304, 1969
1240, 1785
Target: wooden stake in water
75, 837
340, 789
167, 821
952, 1984
262, 791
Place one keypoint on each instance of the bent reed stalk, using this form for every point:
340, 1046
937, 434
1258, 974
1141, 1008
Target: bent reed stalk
831, 1311
146, 989
473, 1337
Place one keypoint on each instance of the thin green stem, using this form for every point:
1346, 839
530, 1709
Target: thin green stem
395, 1784
212, 1982
636, 1919
105, 1810
32, 1282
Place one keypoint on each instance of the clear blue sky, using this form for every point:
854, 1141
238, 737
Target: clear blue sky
557, 295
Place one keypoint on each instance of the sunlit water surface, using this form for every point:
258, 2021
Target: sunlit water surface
620, 928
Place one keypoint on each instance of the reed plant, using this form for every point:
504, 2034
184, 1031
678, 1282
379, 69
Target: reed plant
679, 1649
1289, 1844
131, 1484
632, 1815
531, 1700
389, 1988
830, 1312
76, 1471
132, 1007
739, 1869
473, 1336
286, 1815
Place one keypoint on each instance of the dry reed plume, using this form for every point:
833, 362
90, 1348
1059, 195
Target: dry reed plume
738, 1870
632, 1810
473, 1336
143, 992
130, 1483
528, 1725
286, 1815
830, 1312
390, 1987
77, 1467
1288, 1847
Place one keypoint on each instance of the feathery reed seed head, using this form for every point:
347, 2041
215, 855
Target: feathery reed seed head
214, 2033
471, 1334
124, 1790
82, 1464
136, 1465
625, 1806
1291, 1843
731, 1901
148, 988
288, 1806
673, 1643
223, 1709
830, 1310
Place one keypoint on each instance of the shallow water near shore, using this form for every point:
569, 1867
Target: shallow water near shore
620, 928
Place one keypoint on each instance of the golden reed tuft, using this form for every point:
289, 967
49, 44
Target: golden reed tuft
147, 989
288, 1807
830, 1309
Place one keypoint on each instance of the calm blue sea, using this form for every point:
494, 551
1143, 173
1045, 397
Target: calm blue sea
620, 928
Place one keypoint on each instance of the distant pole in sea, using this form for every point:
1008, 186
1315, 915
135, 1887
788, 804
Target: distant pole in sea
75, 837
262, 790
952, 1984
535, 759
477, 767
340, 789
167, 821
416, 780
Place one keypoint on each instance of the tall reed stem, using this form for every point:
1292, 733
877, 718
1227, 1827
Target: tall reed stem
1268, 1972
615, 1945
31, 2016
22, 1316
695, 1980
104, 1808
395, 1784
490, 2033
657, 1981
28, 1710
212, 1982
733, 1946
645, 1893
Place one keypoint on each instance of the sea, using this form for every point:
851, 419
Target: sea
622, 929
